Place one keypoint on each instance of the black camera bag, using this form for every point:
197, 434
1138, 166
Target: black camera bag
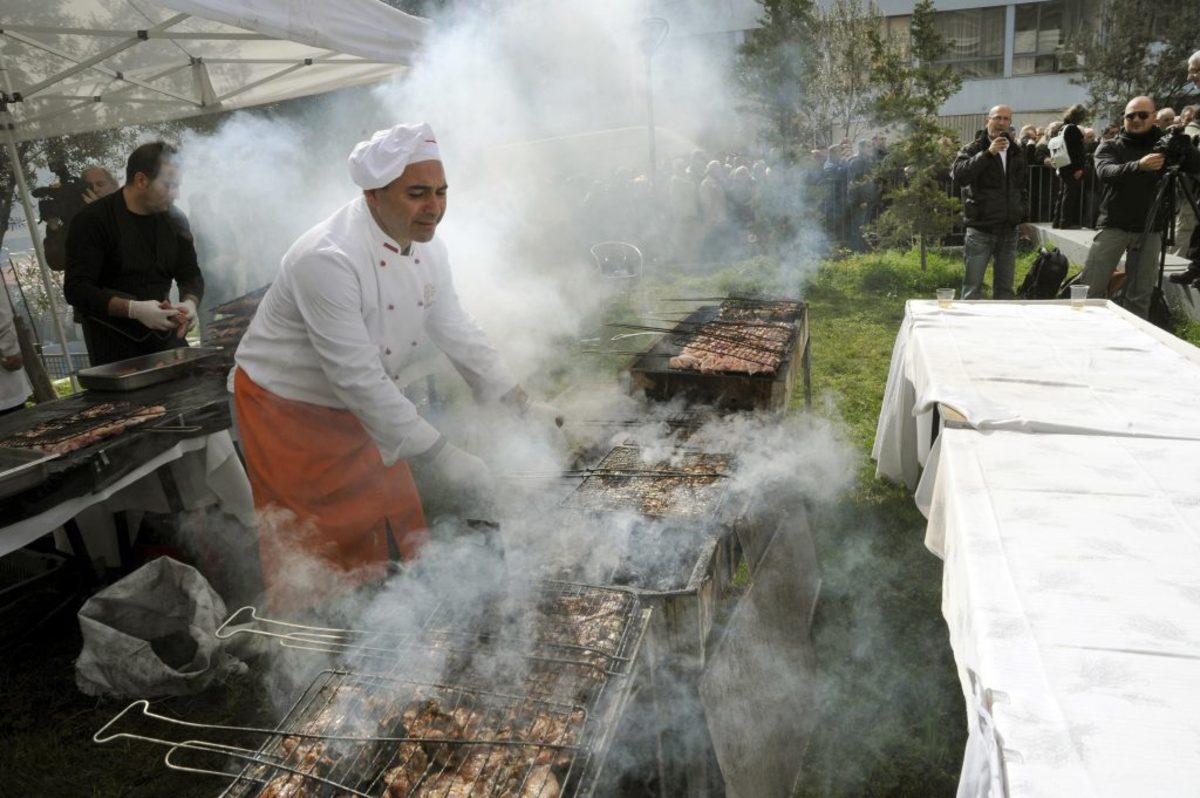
1045, 276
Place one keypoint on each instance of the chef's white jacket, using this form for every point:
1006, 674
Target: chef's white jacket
345, 316
14, 385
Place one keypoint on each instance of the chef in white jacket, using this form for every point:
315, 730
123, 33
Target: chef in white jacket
325, 428
14, 385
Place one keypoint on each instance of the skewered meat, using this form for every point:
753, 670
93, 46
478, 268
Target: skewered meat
80, 430
745, 347
399, 781
539, 783
760, 310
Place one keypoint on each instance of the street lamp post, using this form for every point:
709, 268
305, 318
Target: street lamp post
653, 32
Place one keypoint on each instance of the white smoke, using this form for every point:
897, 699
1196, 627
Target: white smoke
531, 101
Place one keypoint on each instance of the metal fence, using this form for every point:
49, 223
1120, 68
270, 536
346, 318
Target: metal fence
56, 364
1045, 189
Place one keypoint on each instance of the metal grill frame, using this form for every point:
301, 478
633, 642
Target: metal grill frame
324, 691
600, 710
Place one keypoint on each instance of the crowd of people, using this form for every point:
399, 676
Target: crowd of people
702, 208
1127, 165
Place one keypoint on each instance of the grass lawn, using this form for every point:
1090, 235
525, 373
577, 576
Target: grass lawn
891, 719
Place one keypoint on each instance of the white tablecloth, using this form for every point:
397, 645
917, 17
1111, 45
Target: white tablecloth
1036, 367
206, 470
1071, 589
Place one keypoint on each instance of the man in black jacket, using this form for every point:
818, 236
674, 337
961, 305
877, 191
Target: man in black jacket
1129, 170
1192, 253
123, 253
991, 176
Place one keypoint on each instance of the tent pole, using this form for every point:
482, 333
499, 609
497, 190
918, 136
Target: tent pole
6, 122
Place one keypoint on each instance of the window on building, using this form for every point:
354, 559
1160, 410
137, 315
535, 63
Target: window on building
898, 30
1039, 34
974, 41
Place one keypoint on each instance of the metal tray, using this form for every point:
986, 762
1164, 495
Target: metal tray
138, 372
21, 469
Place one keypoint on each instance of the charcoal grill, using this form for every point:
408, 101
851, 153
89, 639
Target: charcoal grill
727, 328
85, 428
348, 734
685, 498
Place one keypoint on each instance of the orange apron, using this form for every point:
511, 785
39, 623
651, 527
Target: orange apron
325, 500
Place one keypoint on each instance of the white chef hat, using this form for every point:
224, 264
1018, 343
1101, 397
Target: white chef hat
375, 163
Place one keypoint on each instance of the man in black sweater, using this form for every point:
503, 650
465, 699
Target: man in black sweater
991, 175
1129, 171
123, 253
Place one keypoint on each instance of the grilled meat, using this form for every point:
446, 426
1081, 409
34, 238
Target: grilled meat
80, 430
746, 348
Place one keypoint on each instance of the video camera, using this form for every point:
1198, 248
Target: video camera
1175, 145
57, 205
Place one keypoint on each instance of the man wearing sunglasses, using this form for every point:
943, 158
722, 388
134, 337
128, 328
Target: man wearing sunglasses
1129, 170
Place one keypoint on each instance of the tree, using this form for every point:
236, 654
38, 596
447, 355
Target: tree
913, 86
843, 89
1136, 47
775, 63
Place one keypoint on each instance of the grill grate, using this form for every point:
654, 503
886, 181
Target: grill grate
689, 484
389, 725
75, 431
382, 736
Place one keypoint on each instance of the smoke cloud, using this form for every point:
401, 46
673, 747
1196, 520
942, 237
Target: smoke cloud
533, 104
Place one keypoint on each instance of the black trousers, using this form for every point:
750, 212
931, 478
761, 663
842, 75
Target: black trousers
108, 345
1070, 202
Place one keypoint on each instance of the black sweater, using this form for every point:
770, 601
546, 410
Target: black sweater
114, 252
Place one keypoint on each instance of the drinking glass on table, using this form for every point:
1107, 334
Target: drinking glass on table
1078, 296
945, 296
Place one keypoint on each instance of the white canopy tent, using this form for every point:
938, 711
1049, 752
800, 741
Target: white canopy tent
72, 66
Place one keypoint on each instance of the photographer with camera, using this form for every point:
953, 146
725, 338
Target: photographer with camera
1129, 168
991, 175
1192, 252
58, 204
123, 253
98, 182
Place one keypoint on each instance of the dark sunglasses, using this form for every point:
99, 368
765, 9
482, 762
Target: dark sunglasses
1138, 114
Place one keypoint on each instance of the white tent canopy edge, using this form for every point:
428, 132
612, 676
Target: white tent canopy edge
84, 65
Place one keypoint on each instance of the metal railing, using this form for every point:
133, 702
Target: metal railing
56, 364
1045, 190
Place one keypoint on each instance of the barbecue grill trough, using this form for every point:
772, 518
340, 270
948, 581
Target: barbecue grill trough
740, 355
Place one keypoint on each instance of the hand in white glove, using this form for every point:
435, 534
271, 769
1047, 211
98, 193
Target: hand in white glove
187, 317
158, 316
464, 472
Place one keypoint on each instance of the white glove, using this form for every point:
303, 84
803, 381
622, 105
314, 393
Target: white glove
153, 314
188, 308
464, 472
187, 316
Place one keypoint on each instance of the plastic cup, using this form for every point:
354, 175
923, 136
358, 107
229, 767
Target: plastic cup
1078, 296
944, 297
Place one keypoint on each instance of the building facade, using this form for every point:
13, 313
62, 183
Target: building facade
1006, 51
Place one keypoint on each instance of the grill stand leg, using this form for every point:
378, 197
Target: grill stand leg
80, 550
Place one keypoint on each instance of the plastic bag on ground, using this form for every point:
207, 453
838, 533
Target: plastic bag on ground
151, 634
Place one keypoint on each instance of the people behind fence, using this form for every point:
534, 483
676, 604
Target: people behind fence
1191, 128
991, 175
1069, 212
1129, 169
